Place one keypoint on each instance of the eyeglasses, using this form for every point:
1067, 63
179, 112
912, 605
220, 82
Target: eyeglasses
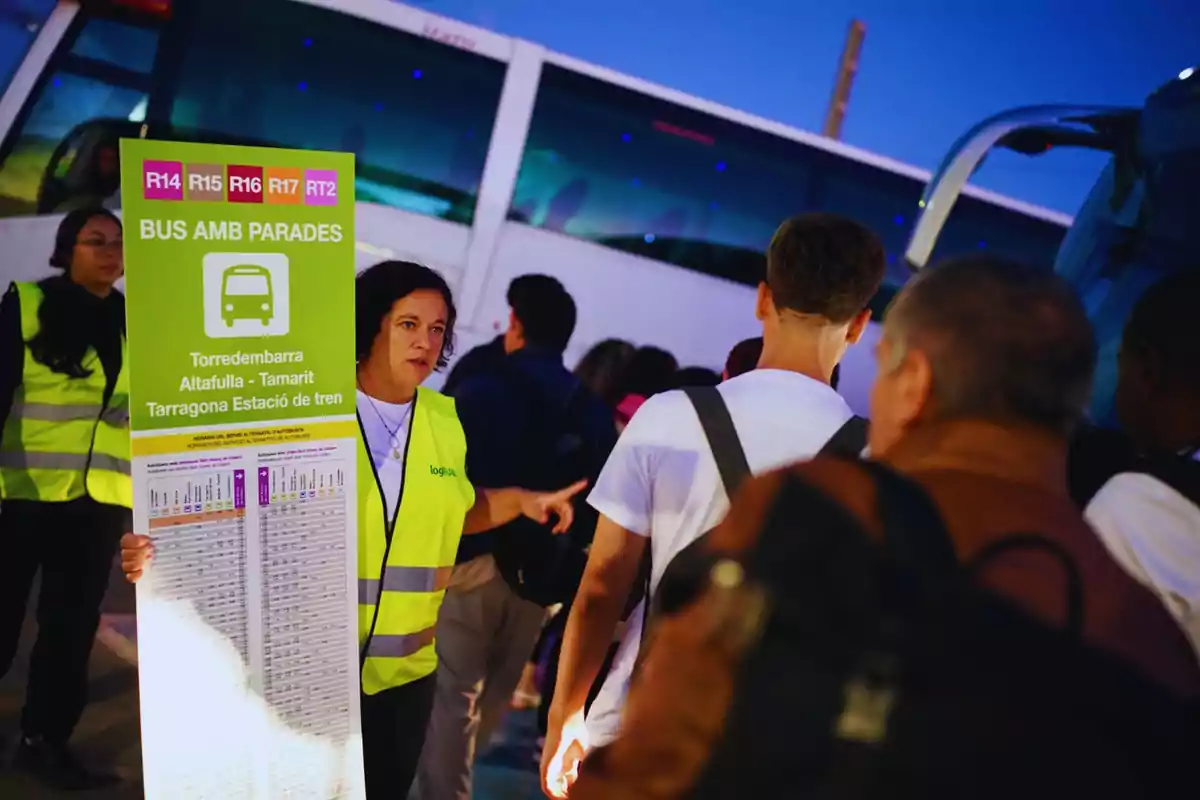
100, 244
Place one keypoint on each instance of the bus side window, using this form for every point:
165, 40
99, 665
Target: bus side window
645, 176
689, 188
417, 114
102, 73
975, 226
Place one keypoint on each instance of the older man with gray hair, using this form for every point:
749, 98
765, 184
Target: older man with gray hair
985, 368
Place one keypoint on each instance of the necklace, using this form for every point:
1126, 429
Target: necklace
392, 432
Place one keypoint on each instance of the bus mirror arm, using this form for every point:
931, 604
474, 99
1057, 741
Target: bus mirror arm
1035, 141
965, 156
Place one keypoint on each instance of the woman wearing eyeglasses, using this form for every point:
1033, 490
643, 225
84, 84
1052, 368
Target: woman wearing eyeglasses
414, 503
64, 477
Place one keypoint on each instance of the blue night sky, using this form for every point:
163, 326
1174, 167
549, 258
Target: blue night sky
929, 70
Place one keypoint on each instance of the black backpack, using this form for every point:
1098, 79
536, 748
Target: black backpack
557, 450
849, 441
882, 671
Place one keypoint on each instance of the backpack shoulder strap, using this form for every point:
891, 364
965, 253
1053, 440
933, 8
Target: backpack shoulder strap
732, 465
721, 434
918, 542
914, 531
849, 440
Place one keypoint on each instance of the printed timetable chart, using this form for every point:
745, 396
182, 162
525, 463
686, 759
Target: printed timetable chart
302, 515
198, 525
251, 550
195, 511
240, 266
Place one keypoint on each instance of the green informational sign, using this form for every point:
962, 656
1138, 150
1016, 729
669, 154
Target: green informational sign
239, 283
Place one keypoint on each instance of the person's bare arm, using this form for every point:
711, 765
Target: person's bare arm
676, 707
495, 507
611, 571
492, 508
624, 499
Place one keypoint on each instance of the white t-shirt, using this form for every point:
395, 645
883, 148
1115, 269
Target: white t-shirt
386, 426
661, 481
1154, 533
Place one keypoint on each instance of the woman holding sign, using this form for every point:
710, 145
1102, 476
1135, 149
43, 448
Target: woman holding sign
64, 477
414, 502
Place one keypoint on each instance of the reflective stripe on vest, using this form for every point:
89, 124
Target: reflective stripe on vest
62, 461
60, 441
401, 581
404, 579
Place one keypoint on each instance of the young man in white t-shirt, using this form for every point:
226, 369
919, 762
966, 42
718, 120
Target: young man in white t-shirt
661, 488
1149, 517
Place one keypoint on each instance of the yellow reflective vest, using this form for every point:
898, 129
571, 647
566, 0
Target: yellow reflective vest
61, 439
404, 564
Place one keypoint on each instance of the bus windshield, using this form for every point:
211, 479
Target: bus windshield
247, 285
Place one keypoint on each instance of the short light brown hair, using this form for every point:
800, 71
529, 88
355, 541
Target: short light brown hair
1006, 341
824, 264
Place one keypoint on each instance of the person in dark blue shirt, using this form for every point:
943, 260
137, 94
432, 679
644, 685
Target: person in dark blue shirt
516, 413
479, 359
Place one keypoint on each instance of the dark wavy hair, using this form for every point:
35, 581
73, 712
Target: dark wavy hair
64, 333
379, 287
602, 369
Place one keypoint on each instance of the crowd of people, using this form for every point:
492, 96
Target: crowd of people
741, 596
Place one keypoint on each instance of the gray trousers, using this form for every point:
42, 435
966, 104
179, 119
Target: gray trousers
485, 635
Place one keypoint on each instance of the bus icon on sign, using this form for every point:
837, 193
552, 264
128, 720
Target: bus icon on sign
246, 295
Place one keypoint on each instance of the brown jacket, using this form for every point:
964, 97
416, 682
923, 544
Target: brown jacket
988, 482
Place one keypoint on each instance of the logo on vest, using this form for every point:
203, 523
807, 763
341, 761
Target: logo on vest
442, 472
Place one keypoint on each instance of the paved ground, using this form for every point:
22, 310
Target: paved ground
507, 770
109, 731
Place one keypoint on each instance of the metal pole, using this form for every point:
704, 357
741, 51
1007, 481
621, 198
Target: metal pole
847, 69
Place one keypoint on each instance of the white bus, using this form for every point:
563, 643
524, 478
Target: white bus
480, 155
